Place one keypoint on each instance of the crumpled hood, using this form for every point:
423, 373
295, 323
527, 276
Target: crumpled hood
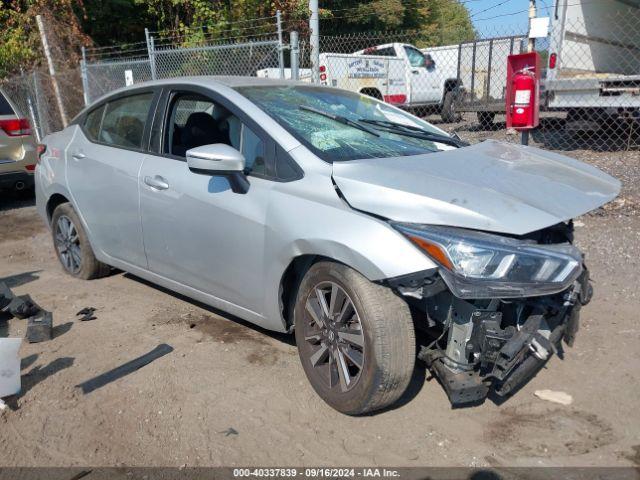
490, 186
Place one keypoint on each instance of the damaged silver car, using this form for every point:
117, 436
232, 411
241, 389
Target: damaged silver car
375, 236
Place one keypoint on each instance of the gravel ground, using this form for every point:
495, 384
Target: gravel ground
233, 394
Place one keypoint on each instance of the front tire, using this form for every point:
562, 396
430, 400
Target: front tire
72, 245
356, 339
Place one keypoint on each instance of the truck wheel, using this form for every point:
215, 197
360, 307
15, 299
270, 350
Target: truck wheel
356, 339
485, 119
449, 113
72, 245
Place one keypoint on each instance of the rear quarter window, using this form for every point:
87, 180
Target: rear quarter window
92, 123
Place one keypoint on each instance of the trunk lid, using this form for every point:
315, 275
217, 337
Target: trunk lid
490, 186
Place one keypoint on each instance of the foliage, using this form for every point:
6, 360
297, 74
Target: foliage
20, 45
436, 22
72, 23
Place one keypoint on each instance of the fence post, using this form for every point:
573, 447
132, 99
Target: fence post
32, 114
44, 119
152, 53
85, 79
314, 27
52, 70
295, 56
280, 44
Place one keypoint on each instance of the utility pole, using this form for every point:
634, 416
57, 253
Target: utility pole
532, 14
52, 70
280, 44
314, 27
531, 46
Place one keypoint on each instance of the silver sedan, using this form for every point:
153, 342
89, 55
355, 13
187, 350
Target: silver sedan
321, 211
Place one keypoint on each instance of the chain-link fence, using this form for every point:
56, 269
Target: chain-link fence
167, 60
33, 94
589, 97
590, 90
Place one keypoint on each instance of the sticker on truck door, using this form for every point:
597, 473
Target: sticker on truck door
367, 68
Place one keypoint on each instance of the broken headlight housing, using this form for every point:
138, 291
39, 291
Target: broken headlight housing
481, 265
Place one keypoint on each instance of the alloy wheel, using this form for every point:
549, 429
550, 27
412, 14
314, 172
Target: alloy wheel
67, 243
333, 330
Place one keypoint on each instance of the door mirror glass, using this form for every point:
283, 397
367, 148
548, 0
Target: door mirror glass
215, 158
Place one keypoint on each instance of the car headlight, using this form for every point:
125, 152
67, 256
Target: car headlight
481, 265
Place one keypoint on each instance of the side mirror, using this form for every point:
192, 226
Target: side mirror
220, 159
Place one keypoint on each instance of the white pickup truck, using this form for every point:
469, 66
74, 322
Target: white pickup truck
397, 73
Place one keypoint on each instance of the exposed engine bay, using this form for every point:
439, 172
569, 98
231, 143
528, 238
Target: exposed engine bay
488, 345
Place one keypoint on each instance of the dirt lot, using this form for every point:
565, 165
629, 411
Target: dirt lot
232, 394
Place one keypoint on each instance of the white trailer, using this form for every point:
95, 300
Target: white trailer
594, 59
481, 68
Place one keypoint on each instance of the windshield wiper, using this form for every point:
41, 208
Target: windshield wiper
340, 119
415, 132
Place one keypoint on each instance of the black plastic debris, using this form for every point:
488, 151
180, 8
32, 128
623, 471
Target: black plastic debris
87, 314
125, 369
23, 307
39, 321
39, 327
6, 295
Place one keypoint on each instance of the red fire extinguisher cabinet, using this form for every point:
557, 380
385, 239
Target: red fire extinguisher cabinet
523, 74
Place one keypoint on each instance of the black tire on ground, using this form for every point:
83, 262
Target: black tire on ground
386, 332
485, 119
448, 113
89, 266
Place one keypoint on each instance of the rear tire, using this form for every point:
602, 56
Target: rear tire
373, 340
72, 245
449, 113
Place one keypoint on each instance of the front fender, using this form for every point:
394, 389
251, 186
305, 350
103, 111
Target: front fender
366, 244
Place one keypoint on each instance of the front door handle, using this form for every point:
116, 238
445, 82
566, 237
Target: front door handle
78, 155
156, 182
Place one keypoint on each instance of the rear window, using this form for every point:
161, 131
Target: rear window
5, 108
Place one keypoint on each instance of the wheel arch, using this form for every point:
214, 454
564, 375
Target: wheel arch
449, 85
53, 202
299, 264
372, 92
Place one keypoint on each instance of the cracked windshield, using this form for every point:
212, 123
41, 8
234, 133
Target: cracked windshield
330, 123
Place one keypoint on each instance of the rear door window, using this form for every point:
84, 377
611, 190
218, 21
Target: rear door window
124, 121
5, 108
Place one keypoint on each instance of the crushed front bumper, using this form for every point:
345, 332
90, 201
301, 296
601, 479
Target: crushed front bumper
481, 356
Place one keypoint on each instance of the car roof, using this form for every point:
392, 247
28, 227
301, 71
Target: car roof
228, 81
215, 81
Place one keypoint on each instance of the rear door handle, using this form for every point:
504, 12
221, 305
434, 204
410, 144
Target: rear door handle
156, 182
